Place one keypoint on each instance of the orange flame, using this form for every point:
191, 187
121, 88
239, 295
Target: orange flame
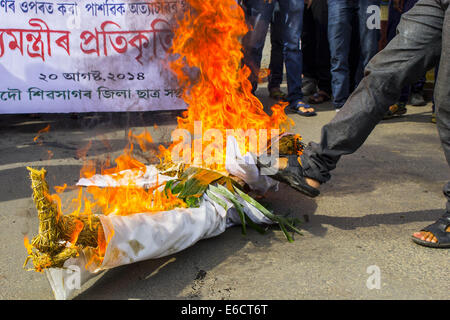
208, 38
126, 199
28, 246
74, 236
40, 132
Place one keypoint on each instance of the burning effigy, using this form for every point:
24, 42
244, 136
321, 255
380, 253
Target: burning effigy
133, 211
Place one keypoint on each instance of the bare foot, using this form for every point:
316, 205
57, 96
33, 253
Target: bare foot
313, 183
282, 163
427, 236
303, 109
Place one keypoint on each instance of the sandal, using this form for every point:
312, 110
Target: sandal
301, 105
319, 97
277, 94
395, 110
292, 175
438, 229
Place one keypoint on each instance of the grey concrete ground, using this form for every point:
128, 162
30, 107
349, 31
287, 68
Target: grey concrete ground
364, 217
390, 188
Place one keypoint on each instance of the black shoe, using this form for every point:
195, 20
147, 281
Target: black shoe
417, 99
292, 175
309, 86
277, 94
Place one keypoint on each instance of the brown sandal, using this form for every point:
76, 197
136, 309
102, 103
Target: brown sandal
319, 97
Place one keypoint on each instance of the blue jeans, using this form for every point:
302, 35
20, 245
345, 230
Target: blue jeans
343, 17
259, 14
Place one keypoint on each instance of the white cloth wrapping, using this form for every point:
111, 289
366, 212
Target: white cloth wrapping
244, 167
144, 236
138, 177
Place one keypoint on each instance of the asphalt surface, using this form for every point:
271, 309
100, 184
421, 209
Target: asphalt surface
361, 222
364, 217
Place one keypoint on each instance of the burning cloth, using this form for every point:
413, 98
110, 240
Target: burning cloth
175, 207
124, 239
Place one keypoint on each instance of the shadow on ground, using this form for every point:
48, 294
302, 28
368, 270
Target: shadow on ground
179, 276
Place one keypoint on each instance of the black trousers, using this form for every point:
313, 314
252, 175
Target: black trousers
422, 41
316, 51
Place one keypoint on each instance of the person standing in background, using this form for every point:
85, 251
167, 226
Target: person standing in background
276, 55
316, 52
422, 42
259, 13
396, 9
343, 17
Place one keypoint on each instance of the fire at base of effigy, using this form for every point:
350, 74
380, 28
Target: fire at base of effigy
207, 202
139, 212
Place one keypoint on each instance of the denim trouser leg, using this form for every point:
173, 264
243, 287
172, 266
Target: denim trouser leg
418, 85
416, 49
369, 33
309, 45
340, 14
292, 12
259, 15
276, 54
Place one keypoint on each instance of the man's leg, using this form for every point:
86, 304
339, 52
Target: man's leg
259, 15
393, 21
308, 44
276, 53
413, 51
369, 33
292, 11
339, 36
442, 104
308, 50
319, 10
394, 17
417, 98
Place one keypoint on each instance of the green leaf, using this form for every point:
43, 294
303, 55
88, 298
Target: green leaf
195, 181
177, 188
254, 203
193, 202
254, 225
284, 223
168, 186
216, 199
232, 198
286, 233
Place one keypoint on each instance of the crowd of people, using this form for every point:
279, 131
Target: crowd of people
324, 45
366, 85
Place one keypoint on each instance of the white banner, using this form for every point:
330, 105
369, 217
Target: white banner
87, 56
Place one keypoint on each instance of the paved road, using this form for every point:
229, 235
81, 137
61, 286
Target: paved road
364, 217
